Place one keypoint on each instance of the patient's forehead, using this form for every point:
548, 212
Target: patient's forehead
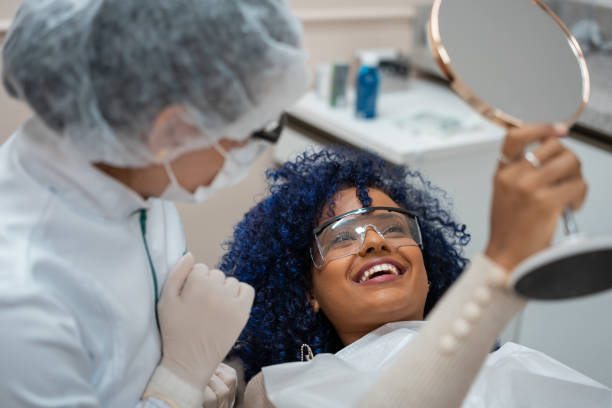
346, 200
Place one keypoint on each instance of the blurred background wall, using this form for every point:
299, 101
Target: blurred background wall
335, 29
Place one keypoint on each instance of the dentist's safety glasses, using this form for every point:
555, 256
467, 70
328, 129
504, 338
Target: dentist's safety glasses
344, 235
272, 131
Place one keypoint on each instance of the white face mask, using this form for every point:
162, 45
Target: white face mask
235, 169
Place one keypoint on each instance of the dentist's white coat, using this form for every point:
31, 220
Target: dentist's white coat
77, 301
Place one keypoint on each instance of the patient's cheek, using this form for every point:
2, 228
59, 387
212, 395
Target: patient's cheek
332, 287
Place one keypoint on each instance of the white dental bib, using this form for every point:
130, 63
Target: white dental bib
513, 376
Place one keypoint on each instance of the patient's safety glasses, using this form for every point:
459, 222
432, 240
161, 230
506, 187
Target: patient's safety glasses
345, 234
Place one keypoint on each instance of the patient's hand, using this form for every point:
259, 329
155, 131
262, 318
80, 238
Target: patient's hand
528, 201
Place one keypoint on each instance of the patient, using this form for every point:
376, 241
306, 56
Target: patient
346, 243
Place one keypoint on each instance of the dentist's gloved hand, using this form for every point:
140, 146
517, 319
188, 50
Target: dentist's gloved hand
221, 390
201, 314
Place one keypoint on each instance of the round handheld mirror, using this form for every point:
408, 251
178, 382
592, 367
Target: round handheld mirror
515, 62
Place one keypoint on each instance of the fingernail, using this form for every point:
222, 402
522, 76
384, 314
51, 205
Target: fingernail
561, 129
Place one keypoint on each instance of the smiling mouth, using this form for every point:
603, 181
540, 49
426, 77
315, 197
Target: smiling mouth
381, 272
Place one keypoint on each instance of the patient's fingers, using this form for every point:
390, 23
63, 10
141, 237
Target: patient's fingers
570, 193
557, 164
565, 166
519, 138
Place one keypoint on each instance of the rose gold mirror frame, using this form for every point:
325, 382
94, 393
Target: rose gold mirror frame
443, 60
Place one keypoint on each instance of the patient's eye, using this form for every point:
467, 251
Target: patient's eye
343, 237
395, 229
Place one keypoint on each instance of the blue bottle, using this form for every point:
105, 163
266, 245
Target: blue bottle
368, 82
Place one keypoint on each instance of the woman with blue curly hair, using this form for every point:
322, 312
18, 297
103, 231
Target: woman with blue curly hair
345, 244
281, 264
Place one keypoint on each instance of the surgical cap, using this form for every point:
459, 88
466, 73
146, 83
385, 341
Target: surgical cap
98, 72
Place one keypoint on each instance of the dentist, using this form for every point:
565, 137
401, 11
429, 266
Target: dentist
136, 104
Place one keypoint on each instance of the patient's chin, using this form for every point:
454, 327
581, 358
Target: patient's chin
389, 306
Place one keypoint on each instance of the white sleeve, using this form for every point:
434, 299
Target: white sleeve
441, 363
42, 361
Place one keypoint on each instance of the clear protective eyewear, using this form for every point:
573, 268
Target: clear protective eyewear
345, 234
272, 131
258, 142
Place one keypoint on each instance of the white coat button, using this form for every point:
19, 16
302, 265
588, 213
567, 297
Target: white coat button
461, 328
482, 296
471, 312
448, 344
498, 279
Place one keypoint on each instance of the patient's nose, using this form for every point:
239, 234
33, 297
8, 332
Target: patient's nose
373, 242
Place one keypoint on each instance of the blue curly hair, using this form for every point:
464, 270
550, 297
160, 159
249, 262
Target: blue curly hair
270, 247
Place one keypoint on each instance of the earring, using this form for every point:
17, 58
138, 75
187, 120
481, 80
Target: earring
314, 304
309, 354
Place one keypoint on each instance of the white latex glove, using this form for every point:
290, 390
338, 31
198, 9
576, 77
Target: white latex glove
221, 390
201, 314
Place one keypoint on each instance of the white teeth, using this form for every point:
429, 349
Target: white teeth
378, 268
